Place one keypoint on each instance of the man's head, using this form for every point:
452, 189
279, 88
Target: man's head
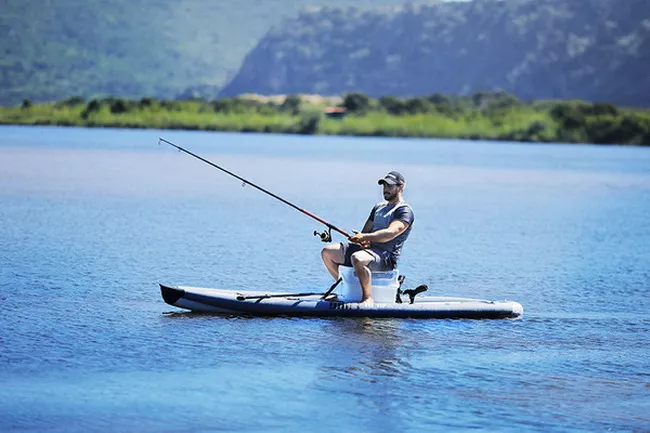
393, 184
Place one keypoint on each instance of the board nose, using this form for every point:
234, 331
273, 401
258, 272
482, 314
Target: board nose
171, 294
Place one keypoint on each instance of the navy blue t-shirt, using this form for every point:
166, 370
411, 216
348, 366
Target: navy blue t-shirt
382, 215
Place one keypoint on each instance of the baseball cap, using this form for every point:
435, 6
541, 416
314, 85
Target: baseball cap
392, 178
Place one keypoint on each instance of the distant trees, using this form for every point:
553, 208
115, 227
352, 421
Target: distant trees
291, 104
92, 107
498, 99
73, 101
145, 102
392, 105
613, 129
356, 103
409, 106
417, 106
601, 123
119, 106
232, 106
491, 115
447, 105
309, 124
568, 116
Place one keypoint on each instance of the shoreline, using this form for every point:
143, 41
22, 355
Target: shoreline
569, 122
496, 140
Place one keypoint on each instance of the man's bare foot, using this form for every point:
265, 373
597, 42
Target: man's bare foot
367, 302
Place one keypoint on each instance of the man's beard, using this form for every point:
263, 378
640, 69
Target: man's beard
389, 196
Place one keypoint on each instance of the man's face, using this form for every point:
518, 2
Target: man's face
390, 191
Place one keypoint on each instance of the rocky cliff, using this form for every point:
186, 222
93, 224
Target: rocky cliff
596, 50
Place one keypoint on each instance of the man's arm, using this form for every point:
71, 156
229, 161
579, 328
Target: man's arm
395, 229
367, 227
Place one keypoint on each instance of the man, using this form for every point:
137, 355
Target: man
379, 244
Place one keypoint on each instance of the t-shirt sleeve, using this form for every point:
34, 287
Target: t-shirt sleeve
405, 213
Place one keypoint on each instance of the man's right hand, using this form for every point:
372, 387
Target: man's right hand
358, 238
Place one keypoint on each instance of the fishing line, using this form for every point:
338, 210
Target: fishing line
325, 236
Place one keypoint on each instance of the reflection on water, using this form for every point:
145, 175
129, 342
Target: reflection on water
374, 348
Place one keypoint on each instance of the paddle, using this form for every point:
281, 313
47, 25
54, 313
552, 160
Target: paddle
291, 295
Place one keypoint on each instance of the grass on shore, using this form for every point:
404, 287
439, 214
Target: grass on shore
543, 121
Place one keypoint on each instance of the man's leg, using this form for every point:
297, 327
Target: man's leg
360, 261
333, 257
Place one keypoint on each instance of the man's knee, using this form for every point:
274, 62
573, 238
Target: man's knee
360, 258
331, 252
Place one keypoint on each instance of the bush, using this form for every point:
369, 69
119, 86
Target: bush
92, 107
504, 100
291, 105
268, 109
490, 100
119, 106
449, 106
417, 105
601, 109
223, 105
630, 130
438, 98
568, 116
356, 103
309, 124
71, 102
392, 105
536, 128
145, 102
234, 105
172, 105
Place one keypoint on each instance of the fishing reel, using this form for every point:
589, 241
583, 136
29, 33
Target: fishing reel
325, 236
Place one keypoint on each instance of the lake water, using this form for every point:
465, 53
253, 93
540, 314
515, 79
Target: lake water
93, 219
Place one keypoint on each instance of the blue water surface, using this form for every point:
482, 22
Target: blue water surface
93, 219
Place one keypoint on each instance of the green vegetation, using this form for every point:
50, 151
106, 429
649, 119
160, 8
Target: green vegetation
593, 50
167, 49
51, 50
487, 116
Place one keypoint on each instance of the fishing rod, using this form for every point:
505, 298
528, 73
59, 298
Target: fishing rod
325, 236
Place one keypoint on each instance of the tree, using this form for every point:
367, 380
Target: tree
292, 104
568, 116
145, 102
118, 106
356, 103
71, 102
603, 109
309, 124
417, 105
392, 105
92, 107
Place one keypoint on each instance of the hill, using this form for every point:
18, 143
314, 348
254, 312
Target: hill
596, 50
53, 50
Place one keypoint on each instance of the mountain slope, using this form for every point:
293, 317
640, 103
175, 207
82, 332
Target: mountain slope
589, 49
53, 49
